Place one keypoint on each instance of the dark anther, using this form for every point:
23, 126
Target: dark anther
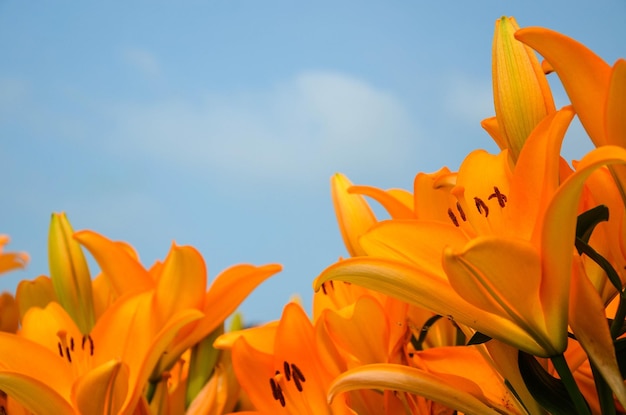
297, 373
499, 196
453, 218
458, 207
67, 353
71, 343
296, 380
274, 387
277, 392
60, 349
287, 371
332, 284
324, 288
91, 346
481, 206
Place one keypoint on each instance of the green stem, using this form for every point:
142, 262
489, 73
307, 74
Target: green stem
560, 364
605, 395
620, 315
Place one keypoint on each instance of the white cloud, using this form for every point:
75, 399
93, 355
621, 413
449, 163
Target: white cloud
142, 60
469, 100
315, 123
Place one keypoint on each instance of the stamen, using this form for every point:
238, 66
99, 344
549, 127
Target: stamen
71, 343
277, 392
453, 218
63, 346
298, 377
287, 371
91, 345
458, 207
324, 288
480, 205
499, 196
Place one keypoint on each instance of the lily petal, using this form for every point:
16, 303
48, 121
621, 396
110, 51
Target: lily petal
36, 395
125, 272
416, 286
354, 215
584, 75
102, 390
588, 322
411, 380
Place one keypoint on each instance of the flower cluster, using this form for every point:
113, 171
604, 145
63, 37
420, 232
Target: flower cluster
494, 289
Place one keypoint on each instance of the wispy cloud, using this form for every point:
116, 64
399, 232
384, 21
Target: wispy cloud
142, 60
312, 124
469, 100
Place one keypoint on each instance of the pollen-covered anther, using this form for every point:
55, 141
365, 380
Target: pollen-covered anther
277, 392
500, 197
461, 212
91, 345
64, 347
481, 206
287, 371
453, 217
298, 377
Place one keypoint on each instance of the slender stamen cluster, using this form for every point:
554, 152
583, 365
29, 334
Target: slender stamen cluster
480, 204
290, 372
324, 289
67, 348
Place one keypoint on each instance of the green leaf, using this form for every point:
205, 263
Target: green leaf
549, 391
478, 338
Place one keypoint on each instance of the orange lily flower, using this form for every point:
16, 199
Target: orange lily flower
519, 224
180, 283
521, 93
10, 260
285, 367
66, 372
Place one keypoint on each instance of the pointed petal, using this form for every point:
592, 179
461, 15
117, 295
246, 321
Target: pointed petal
416, 286
364, 332
354, 215
124, 271
228, 290
9, 313
493, 129
476, 273
102, 390
560, 227
36, 395
588, 322
394, 206
182, 281
42, 365
34, 293
448, 391
616, 105
536, 175
419, 243
11, 260
584, 75
431, 192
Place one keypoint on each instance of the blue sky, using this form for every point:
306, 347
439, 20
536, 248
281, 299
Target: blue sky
219, 124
